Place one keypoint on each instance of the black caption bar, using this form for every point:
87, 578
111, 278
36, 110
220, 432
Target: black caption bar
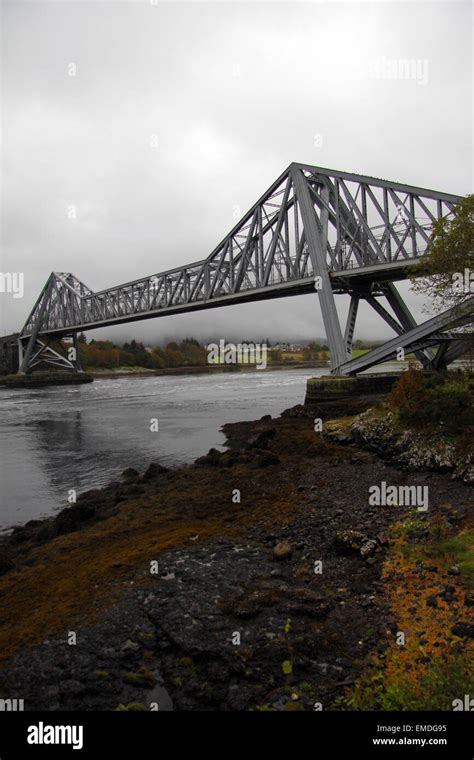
139, 734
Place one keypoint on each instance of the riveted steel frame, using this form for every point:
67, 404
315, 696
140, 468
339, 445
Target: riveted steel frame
356, 234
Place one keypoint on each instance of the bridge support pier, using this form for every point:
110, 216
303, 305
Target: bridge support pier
39, 351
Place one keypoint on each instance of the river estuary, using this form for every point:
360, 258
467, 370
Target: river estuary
79, 437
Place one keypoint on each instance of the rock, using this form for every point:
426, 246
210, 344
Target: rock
133, 489
448, 597
341, 438
432, 601
463, 629
382, 539
304, 601
155, 471
71, 518
260, 440
265, 459
130, 646
46, 533
348, 542
283, 550
368, 548
448, 593
296, 411
469, 599
24, 532
6, 564
454, 570
130, 474
215, 458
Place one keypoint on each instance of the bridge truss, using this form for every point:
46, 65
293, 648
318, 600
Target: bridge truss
313, 230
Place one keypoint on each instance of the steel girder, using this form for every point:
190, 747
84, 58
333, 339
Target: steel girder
430, 333
355, 234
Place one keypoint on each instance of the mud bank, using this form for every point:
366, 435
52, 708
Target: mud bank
39, 379
258, 578
205, 369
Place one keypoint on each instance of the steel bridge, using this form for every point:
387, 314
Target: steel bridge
314, 230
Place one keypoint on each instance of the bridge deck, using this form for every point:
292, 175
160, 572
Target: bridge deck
314, 228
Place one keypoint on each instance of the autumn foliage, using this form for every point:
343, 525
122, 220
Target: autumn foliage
434, 400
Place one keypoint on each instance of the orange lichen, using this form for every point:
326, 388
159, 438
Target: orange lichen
429, 645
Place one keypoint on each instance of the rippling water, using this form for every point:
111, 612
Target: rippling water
57, 438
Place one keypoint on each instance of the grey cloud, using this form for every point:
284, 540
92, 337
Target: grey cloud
232, 93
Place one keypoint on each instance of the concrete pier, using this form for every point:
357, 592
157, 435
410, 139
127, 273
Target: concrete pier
9, 354
333, 388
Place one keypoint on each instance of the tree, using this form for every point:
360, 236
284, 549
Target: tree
194, 354
446, 274
173, 356
275, 355
158, 358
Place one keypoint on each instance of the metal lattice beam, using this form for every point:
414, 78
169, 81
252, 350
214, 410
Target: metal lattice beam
356, 234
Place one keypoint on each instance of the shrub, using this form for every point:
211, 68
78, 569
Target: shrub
443, 681
434, 400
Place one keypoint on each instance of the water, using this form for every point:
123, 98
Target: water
54, 439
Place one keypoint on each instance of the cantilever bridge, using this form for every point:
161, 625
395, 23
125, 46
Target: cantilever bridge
313, 230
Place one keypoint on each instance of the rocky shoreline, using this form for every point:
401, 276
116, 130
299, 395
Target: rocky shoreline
258, 578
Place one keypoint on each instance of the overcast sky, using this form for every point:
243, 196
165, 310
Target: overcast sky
181, 112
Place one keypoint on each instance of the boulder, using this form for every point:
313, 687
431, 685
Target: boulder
211, 459
154, 471
463, 629
260, 440
349, 541
368, 548
130, 474
72, 517
283, 550
6, 564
